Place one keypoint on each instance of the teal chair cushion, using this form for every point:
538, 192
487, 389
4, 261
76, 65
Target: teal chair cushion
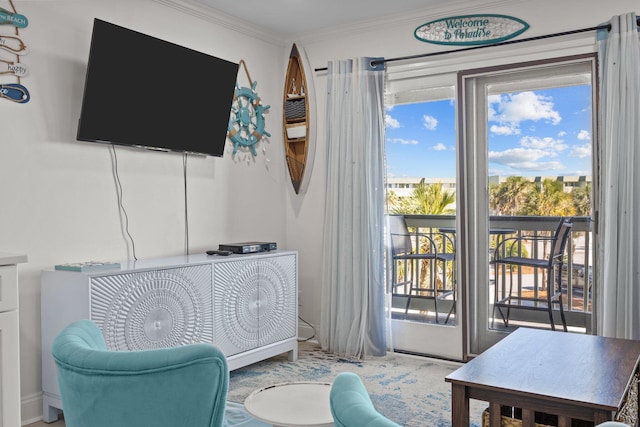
351, 405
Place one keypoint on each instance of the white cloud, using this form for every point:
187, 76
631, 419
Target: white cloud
516, 155
390, 122
581, 151
430, 122
525, 159
562, 133
546, 143
403, 141
505, 130
509, 110
584, 135
440, 147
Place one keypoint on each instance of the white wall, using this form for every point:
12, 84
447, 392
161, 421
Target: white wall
394, 38
57, 196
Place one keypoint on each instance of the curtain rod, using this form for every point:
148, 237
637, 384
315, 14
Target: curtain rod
546, 36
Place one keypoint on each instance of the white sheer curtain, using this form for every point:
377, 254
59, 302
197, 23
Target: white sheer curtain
619, 155
353, 294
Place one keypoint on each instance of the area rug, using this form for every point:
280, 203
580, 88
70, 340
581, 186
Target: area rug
409, 390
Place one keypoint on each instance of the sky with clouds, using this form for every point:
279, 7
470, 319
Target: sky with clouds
531, 133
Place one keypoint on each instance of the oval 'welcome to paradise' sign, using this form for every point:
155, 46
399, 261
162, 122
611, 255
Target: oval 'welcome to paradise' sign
471, 30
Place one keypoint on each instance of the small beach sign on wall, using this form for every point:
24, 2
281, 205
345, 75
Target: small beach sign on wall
471, 30
12, 68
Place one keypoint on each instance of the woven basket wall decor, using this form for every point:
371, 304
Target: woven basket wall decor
294, 109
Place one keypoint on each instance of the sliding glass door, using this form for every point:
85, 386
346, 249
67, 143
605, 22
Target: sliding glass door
526, 160
421, 190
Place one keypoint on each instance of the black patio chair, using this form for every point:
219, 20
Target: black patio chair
504, 255
403, 253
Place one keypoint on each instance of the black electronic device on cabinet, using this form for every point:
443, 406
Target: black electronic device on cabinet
248, 247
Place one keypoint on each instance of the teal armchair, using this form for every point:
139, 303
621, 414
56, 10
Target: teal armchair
171, 387
351, 405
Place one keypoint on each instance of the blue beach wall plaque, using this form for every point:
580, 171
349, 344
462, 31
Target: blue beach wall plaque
470, 30
15, 19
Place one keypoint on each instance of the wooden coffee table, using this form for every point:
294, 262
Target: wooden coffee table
569, 375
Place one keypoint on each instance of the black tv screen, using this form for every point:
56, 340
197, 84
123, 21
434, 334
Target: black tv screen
145, 92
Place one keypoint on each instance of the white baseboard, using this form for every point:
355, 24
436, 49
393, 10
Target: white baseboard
31, 408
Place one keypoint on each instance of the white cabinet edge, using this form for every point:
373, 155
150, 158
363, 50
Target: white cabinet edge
11, 259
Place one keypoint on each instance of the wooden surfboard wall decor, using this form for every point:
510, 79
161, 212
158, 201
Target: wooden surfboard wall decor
297, 122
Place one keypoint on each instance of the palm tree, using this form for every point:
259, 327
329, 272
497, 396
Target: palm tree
510, 197
550, 199
426, 199
581, 197
432, 199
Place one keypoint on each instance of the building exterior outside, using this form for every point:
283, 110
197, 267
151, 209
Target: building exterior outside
404, 186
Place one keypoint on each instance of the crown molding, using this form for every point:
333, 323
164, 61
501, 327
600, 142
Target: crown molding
214, 16
417, 17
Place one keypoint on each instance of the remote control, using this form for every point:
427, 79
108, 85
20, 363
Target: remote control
223, 253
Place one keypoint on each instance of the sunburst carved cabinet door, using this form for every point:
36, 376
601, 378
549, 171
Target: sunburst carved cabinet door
254, 302
154, 309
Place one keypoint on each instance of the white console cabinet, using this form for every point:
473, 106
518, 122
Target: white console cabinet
244, 304
9, 340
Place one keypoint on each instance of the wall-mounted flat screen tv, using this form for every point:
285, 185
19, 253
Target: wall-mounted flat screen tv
145, 92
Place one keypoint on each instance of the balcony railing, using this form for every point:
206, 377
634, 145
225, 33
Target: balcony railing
577, 274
